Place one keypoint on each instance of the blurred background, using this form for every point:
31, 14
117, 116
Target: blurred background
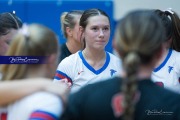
47, 12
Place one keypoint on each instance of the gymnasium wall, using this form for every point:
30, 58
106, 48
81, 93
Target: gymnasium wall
47, 12
121, 7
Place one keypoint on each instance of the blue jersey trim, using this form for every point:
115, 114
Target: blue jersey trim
164, 62
91, 68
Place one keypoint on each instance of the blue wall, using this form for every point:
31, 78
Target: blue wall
47, 12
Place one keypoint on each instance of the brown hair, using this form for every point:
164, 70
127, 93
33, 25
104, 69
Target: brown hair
171, 22
8, 21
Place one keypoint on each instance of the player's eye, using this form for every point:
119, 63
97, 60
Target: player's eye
94, 28
106, 28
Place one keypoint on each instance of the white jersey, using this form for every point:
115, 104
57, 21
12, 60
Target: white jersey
76, 69
38, 106
167, 74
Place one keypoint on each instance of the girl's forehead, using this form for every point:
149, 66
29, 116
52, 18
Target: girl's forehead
99, 19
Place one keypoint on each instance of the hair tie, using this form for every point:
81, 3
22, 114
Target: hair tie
14, 12
24, 30
169, 10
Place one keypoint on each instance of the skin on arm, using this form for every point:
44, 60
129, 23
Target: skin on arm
11, 91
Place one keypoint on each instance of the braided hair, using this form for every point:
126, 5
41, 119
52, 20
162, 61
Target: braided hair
138, 36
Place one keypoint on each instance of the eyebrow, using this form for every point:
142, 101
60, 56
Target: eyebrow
107, 25
98, 25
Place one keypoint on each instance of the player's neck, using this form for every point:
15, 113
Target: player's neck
95, 59
73, 46
94, 54
164, 54
34, 73
145, 72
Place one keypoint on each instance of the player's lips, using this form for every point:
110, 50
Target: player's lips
101, 41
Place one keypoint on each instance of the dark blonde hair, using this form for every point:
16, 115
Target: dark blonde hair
34, 40
68, 19
138, 36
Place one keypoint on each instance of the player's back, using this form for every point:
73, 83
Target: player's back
105, 102
41, 105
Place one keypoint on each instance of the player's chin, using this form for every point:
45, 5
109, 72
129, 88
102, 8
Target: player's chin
102, 43
100, 47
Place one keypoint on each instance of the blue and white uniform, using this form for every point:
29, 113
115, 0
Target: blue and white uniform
38, 106
77, 70
167, 74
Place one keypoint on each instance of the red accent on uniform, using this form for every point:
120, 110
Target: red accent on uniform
117, 105
80, 72
62, 77
161, 84
3, 116
40, 115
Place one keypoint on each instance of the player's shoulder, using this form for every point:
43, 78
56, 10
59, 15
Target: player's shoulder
41, 98
115, 61
175, 55
44, 101
70, 59
112, 56
72, 56
166, 94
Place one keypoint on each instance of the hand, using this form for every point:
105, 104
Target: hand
63, 81
60, 88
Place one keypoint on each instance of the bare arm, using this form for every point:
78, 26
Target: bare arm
14, 90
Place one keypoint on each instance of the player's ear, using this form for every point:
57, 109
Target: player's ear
69, 31
81, 30
81, 36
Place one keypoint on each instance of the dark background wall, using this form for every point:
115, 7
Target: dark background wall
47, 12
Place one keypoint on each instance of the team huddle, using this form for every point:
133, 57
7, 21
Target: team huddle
81, 80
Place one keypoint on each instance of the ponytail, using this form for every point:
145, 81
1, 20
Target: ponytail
129, 85
18, 48
63, 23
171, 22
176, 31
